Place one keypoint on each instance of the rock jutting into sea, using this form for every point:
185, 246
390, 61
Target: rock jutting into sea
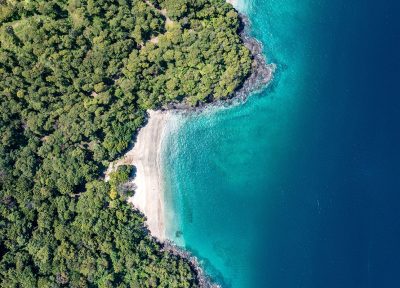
146, 152
261, 73
202, 279
260, 76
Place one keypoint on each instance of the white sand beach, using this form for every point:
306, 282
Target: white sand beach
146, 157
233, 2
240, 5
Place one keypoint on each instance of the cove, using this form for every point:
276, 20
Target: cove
299, 186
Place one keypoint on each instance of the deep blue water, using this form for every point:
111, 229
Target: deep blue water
300, 186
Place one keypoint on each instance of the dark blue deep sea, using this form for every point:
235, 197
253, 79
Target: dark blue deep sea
299, 186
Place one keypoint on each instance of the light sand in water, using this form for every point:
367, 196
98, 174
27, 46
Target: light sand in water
145, 156
233, 2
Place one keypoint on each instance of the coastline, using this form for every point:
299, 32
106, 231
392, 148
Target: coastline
260, 76
147, 149
146, 152
232, 2
145, 156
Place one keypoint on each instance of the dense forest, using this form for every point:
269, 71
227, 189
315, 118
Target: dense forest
76, 80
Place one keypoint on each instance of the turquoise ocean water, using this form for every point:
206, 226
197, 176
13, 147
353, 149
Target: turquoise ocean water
297, 187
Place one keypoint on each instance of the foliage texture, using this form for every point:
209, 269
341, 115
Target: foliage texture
76, 78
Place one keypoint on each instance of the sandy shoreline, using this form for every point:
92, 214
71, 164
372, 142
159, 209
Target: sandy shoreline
146, 157
146, 152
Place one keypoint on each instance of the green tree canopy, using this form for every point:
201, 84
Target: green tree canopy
76, 79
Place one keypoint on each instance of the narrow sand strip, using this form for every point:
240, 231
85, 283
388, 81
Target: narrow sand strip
146, 157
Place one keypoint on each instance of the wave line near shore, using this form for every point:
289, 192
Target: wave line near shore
148, 181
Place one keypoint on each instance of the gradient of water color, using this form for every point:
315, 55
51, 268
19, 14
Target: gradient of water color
299, 187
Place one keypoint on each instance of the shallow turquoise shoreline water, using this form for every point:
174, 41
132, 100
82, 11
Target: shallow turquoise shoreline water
219, 162
285, 190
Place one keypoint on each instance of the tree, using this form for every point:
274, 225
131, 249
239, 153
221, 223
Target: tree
76, 79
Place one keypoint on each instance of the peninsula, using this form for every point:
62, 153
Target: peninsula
146, 152
77, 78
